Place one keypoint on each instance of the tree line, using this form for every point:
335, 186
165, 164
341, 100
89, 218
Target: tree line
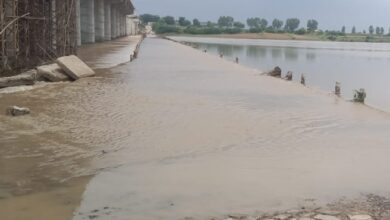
227, 24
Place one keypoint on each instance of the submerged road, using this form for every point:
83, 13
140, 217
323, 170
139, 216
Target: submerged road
209, 137
178, 133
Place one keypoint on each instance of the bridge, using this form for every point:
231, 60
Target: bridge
100, 20
36, 31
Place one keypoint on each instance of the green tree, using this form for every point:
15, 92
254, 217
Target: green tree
238, 24
343, 30
196, 22
169, 20
225, 21
378, 30
382, 31
353, 30
292, 24
146, 18
371, 29
184, 22
312, 25
277, 24
253, 22
263, 23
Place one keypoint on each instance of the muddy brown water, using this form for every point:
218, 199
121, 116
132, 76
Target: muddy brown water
354, 64
180, 133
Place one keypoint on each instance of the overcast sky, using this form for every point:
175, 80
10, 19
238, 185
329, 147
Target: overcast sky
331, 14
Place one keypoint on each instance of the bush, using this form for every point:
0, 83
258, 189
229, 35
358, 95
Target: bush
301, 31
232, 30
335, 33
369, 38
212, 30
255, 30
193, 30
332, 37
270, 30
203, 30
164, 29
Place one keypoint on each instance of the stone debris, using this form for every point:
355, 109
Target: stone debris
325, 217
293, 211
281, 217
337, 89
303, 80
17, 111
289, 76
26, 78
237, 216
276, 72
360, 95
74, 67
360, 217
52, 73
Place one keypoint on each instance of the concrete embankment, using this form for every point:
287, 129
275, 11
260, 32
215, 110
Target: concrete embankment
72, 68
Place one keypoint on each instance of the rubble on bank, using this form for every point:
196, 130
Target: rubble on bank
74, 67
66, 69
26, 78
17, 111
53, 73
276, 72
368, 207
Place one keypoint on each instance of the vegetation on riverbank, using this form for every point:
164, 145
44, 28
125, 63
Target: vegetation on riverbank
288, 36
257, 28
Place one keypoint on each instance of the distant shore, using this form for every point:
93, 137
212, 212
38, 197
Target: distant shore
305, 37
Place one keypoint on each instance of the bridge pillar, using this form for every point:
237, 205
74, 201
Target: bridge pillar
87, 15
118, 26
107, 21
113, 21
78, 22
99, 20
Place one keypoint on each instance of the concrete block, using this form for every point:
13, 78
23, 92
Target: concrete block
27, 78
74, 67
53, 73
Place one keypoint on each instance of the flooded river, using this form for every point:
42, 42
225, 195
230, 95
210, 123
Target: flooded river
178, 133
354, 65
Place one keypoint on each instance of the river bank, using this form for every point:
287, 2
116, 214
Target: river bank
297, 37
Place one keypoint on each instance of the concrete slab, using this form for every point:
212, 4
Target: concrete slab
27, 78
53, 73
74, 67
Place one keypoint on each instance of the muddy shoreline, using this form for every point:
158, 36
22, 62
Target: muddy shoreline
42, 165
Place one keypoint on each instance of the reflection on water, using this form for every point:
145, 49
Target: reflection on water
355, 65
